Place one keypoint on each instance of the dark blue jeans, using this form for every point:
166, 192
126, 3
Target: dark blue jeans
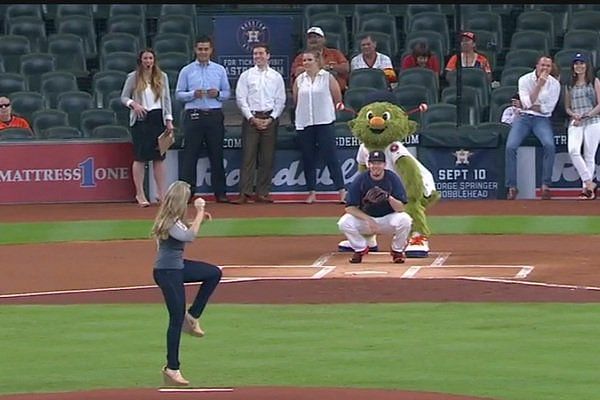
319, 138
171, 283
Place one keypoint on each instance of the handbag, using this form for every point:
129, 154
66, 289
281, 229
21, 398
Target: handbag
165, 140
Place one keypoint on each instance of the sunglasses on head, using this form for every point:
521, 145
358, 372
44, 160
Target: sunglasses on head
5, 105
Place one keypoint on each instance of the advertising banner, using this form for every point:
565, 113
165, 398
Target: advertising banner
65, 172
236, 35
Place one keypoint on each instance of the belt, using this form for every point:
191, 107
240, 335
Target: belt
204, 110
262, 113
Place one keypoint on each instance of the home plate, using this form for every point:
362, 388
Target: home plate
365, 273
193, 389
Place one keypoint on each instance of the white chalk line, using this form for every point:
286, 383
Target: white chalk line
184, 390
530, 283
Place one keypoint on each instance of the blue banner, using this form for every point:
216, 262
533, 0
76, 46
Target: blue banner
464, 173
235, 36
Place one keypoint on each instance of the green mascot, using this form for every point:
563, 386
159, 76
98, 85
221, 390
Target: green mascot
381, 125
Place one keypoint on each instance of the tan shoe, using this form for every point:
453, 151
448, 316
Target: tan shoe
191, 326
173, 377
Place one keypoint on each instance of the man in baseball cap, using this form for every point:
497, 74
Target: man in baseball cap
333, 60
469, 57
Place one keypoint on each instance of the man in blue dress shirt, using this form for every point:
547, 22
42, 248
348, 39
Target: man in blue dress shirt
202, 86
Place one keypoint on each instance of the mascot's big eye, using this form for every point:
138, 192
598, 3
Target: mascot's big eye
369, 114
386, 116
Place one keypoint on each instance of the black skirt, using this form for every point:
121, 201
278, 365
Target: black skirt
145, 135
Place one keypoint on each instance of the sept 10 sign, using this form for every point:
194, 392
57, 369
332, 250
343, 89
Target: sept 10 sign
463, 174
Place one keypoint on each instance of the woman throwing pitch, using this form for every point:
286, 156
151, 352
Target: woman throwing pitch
171, 270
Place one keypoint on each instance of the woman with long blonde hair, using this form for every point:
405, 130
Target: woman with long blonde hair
172, 270
146, 93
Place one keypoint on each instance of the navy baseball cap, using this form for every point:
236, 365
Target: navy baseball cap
376, 155
579, 57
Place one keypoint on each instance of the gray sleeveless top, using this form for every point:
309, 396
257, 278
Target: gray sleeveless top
583, 99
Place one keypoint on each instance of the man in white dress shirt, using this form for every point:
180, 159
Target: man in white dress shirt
260, 95
539, 92
369, 57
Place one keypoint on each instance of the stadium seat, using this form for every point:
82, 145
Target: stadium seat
541, 21
183, 24
67, 10
439, 113
432, 21
12, 47
44, 119
119, 61
95, 117
410, 96
33, 28
421, 76
474, 77
354, 99
16, 134
434, 41
54, 83
522, 58
470, 103
585, 19
104, 83
122, 112
169, 42
133, 24
110, 131
69, 51
510, 76
499, 98
310, 10
34, 65
384, 23
560, 14
128, 9
83, 27
173, 60
385, 43
73, 103
534, 40
363, 10
11, 82
488, 21
172, 75
368, 77
178, 9
62, 133
584, 39
13, 11
112, 42
26, 103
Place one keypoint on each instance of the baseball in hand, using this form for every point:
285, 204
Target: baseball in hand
423, 107
199, 202
340, 106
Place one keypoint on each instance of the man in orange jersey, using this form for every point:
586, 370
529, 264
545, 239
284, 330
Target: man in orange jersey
8, 119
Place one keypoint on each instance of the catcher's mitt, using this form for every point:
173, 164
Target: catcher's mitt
375, 195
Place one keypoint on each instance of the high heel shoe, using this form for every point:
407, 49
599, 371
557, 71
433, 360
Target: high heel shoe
173, 377
142, 202
312, 197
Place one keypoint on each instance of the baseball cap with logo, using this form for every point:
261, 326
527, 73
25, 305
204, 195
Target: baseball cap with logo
469, 35
579, 57
316, 30
376, 155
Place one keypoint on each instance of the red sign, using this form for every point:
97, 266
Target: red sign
65, 172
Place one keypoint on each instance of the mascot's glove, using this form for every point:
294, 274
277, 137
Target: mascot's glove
375, 195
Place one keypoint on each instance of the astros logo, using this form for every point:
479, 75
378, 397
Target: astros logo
462, 156
251, 32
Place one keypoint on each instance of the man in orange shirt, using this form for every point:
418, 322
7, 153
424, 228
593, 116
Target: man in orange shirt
469, 57
334, 60
7, 119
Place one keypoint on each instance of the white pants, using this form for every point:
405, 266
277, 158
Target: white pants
589, 136
398, 224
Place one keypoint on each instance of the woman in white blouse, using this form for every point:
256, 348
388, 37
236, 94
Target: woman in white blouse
146, 93
315, 93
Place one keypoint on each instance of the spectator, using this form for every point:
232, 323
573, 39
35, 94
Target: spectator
334, 61
539, 92
469, 57
146, 93
315, 94
422, 57
369, 57
8, 119
203, 86
260, 95
582, 104
511, 112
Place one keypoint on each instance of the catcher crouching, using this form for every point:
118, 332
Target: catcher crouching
375, 205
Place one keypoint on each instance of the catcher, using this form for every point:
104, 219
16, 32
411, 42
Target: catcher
375, 205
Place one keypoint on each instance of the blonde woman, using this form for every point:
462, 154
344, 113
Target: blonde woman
582, 104
171, 271
146, 93
315, 93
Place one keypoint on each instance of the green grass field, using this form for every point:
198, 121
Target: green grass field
503, 351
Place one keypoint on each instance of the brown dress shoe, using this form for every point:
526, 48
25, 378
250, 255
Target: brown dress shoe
512, 193
263, 199
243, 199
